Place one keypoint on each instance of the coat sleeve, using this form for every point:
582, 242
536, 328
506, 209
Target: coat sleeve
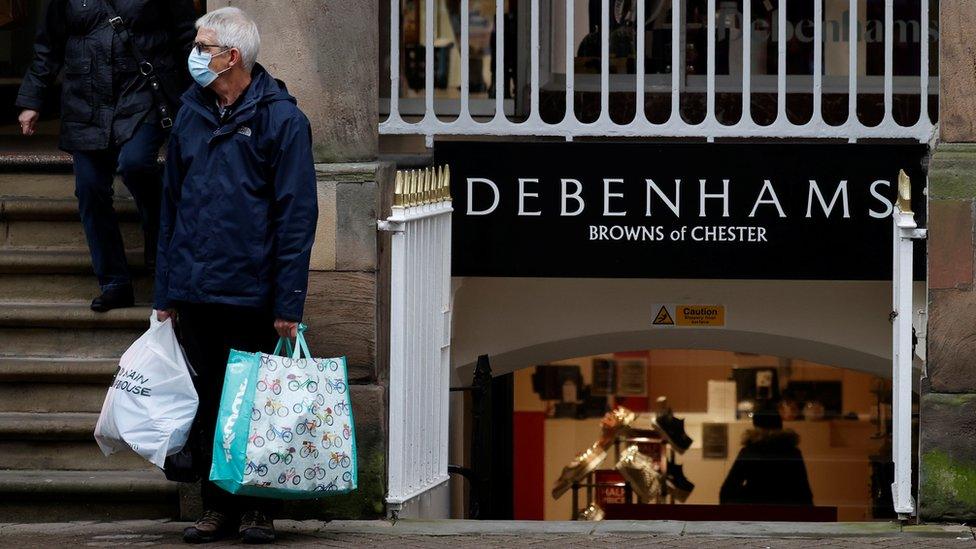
49, 43
294, 215
184, 18
731, 491
172, 184
801, 492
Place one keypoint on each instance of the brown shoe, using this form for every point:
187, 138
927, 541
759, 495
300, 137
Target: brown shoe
212, 526
257, 527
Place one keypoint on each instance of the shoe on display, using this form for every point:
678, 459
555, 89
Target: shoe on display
624, 416
639, 472
678, 484
593, 512
670, 427
615, 422
583, 464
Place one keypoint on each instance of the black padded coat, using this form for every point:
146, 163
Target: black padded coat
103, 97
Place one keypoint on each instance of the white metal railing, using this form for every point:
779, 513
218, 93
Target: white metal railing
420, 330
905, 232
710, 127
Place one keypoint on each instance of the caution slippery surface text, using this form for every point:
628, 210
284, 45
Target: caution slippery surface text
688, 315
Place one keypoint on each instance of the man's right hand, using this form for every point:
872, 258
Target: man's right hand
28, 121
165, 314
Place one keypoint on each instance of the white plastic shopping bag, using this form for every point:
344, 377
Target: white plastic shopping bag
151, 403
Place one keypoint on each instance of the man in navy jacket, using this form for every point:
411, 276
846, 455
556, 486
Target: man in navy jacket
237, 225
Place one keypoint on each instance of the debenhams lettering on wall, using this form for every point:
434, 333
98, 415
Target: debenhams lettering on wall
678, 200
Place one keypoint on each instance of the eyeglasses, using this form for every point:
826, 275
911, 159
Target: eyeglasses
203, 48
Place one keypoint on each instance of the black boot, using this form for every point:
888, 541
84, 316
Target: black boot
118, 297
678, 484
671, 427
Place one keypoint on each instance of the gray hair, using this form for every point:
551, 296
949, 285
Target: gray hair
234, 30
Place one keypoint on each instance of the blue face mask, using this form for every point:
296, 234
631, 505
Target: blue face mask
199, 65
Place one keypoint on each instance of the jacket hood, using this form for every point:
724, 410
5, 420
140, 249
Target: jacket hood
771, 438
263, 89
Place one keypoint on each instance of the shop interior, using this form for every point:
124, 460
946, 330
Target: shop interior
785, 438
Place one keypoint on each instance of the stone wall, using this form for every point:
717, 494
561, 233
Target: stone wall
947, 421
947, 446
325, 51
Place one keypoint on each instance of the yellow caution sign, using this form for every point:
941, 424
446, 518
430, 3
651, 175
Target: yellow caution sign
663, 317
689, 315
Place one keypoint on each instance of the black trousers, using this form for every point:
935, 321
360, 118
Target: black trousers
208, 332
94, 173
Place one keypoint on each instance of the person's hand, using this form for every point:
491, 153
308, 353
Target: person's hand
28, 121
286, 328
165, 314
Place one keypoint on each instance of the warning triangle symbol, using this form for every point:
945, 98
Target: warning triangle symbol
663, 317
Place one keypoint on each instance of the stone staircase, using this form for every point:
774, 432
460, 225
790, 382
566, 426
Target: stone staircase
57, 356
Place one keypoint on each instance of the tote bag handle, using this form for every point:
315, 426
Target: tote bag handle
300, 345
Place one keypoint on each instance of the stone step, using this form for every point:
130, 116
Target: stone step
60, 234
50, 184
38, 157
54, 385
80, 343
76, 260
59, 441
33, 330
38, 495
57, 209
56, 315
40, 398
52, 222
57, 370
66, 456
63, 288
71, 426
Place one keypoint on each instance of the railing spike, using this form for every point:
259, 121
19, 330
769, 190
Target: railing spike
904, 192
447, 182
411, 187
398, 189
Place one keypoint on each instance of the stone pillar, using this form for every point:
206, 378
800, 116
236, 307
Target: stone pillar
326, 53
947, 421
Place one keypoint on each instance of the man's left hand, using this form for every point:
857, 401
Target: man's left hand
286, 328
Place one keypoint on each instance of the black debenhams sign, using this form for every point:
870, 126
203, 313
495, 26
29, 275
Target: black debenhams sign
677, 211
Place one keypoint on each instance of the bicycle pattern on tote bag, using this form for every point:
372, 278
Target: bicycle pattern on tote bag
301, 434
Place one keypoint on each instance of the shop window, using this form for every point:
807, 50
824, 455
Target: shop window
702, 435
483, 44
732, 34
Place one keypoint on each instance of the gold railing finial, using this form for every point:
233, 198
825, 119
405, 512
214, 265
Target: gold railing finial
429, 185
904, 192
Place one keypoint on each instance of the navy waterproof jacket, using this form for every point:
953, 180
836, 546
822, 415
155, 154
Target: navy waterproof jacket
239, 202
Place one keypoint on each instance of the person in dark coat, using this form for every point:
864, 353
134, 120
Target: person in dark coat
769, 469
109, 122
238, 221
